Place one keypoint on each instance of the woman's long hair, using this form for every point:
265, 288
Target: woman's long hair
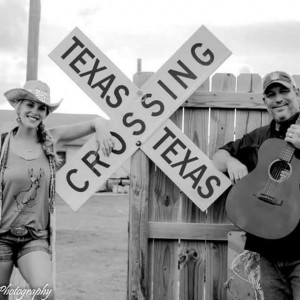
48, 143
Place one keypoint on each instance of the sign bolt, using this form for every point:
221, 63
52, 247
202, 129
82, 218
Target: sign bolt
138, 143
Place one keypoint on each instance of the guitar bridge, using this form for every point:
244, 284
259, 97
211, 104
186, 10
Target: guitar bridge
269, 199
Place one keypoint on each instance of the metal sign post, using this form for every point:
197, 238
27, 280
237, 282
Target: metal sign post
33, 39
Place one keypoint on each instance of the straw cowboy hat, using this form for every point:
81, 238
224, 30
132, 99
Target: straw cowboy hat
34, 90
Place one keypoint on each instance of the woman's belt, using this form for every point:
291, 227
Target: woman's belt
19, 231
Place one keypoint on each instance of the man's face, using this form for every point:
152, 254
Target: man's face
281, 101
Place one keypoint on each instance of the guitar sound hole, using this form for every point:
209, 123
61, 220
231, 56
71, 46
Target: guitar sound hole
280, 170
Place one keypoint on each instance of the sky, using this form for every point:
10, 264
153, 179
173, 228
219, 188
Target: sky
263, 36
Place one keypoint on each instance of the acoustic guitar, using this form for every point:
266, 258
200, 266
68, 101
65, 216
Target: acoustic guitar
266, 202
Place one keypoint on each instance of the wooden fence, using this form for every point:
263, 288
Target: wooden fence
175, 250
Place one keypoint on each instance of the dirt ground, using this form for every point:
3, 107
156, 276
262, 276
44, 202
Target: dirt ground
91, 249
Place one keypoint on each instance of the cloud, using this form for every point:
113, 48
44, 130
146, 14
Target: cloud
274, 37
89, 12
13, 16
13, 46
263, 46
150, 30
13, 73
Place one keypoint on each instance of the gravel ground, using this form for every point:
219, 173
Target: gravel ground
91, 249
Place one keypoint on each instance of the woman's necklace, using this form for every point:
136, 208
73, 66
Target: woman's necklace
25, 149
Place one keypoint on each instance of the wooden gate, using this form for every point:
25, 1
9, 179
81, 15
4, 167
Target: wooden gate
175, 250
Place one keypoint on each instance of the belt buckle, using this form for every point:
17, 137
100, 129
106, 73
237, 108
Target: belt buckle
19, 231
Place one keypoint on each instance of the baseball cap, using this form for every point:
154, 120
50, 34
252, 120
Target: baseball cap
278, 77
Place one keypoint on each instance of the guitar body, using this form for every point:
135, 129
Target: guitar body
266, 202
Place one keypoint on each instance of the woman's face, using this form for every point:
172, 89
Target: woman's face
32, 113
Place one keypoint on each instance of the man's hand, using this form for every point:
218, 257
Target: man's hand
236, 170
293, 135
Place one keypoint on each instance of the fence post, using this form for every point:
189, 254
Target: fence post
138, 217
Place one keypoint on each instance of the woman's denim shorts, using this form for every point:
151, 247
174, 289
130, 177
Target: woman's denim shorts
13, 247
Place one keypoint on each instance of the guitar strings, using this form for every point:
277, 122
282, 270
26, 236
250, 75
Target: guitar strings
278, 172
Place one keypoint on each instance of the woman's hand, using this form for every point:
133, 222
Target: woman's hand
103, 137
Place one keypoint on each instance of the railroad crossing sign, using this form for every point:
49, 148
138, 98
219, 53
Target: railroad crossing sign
141, 117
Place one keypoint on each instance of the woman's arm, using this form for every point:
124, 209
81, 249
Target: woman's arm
100, 126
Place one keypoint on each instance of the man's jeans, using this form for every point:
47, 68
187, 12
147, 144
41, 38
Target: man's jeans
280, 280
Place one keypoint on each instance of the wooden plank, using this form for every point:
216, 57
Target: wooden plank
138, 219
192, 253
221, 131
216, 270
164, 270
192, 271
229, 100
196, 128
138, 235
224, 82
221, 120
248, 120
190, 231
196, 125
164, 206
249, 83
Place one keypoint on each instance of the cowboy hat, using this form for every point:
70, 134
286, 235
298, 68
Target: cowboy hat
34, 90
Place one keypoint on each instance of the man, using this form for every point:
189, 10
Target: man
279, 258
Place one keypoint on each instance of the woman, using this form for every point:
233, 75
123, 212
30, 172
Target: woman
27, 184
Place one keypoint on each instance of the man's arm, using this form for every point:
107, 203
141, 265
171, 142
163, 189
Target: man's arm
223, 161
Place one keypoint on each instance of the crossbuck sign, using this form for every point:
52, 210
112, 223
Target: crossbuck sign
141, 117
